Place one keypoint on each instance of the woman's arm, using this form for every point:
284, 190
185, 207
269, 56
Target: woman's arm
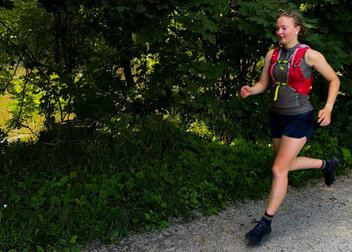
262, 84
316, 60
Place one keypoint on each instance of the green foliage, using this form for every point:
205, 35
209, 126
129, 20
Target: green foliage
3, 135
347, 157
96, 60
77, 185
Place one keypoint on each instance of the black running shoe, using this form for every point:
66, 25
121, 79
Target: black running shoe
329, 173
256, 235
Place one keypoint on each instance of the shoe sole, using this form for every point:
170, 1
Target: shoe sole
256, 243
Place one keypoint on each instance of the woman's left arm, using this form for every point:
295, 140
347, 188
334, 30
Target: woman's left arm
316, 60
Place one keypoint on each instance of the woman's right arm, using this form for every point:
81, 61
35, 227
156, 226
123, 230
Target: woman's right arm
262, 84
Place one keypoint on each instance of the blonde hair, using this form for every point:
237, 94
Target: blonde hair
297, 20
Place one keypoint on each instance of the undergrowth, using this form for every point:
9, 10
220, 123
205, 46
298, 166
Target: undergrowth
77, 185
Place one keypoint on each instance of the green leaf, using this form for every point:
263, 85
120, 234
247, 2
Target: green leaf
346, 152
72, 7
121, 8
140, 8
164, 223
40, 249
73, 239
243, 11
62, 242
209, 25
107, 4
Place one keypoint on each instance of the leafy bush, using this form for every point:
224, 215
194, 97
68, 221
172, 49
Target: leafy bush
79, 185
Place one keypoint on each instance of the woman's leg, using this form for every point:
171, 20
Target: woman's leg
286, 154
286, 149
299, 163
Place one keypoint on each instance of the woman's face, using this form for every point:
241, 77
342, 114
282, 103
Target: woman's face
286, 30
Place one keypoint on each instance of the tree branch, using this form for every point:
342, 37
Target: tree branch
22, 102
13, 75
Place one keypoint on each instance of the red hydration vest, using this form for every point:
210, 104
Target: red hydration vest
295, 79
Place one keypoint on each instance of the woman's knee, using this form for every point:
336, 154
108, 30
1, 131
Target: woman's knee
280, 171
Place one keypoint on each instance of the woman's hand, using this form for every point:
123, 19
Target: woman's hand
246, 91
324, 116
261, 85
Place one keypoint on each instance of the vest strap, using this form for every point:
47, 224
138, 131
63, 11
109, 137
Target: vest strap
278, 83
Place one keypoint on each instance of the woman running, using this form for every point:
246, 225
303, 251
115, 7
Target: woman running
289, 70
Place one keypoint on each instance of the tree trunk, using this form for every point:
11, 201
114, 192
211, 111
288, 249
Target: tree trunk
126, 60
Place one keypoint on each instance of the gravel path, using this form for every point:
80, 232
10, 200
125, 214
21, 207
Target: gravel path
314, 218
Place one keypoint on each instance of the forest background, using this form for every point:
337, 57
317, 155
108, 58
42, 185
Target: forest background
134, 112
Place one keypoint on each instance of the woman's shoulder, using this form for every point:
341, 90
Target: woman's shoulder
312, 52
269, 54
313, 56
